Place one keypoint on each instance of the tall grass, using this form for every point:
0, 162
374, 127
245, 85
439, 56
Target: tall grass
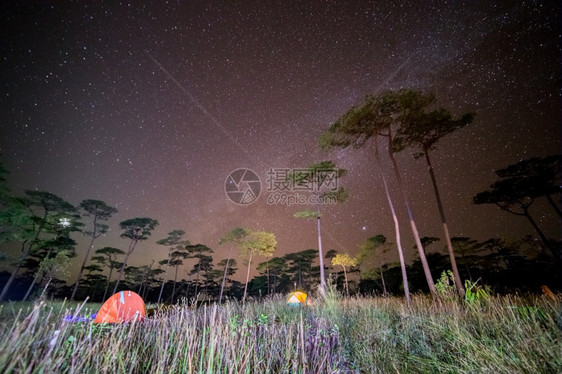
362, 335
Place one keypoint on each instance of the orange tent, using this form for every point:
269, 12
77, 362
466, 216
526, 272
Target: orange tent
297, 298
122, 307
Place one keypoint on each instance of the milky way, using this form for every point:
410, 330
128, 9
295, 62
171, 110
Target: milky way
150, 107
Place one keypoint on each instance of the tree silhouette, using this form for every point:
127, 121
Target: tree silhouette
143, 275
427, 241
5, 192
147, 278
316, 178
465, 247
175, 243
52, 267
518, 188
135, 229
204, 261
230, 265
390, 110
133, 276
496, 252
375, 117
108, 257
422, 130
98, 211
18, 225
235, 238
40, 222
542, 176
330, 254
300, 265
46, 250
274, 270
176, 260
374, 244
93, 282
57, 219
16, 219
257, 243
344, 260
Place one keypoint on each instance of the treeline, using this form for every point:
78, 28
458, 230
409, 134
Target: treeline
46, 223
41, 225
521, 265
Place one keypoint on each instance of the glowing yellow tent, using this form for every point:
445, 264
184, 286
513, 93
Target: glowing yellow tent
297, 298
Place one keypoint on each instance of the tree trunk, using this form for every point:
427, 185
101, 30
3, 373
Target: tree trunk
247, 277
525, 208
39, 230
174, 286
346, 285
24, 255
267, 278
93, 289
121, 271
467, 269
383, 283
94, 236
187, 285
458, 282
542, 235
206, 283
554, 205
164, 278
131, 249
139, 291
108, 281
45, 288
15, 271
145, 281
30, 288
197, 278
320, 254
9, 282
144, 289
396, 228
35, 278
413, 225
225, 273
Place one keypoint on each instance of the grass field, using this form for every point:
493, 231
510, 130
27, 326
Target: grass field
502, 334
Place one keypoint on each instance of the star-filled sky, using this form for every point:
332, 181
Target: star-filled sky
149, 107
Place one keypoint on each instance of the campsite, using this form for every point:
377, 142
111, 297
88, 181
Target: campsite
507, 334
291, 186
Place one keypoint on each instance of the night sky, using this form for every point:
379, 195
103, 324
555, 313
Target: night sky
150, 107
